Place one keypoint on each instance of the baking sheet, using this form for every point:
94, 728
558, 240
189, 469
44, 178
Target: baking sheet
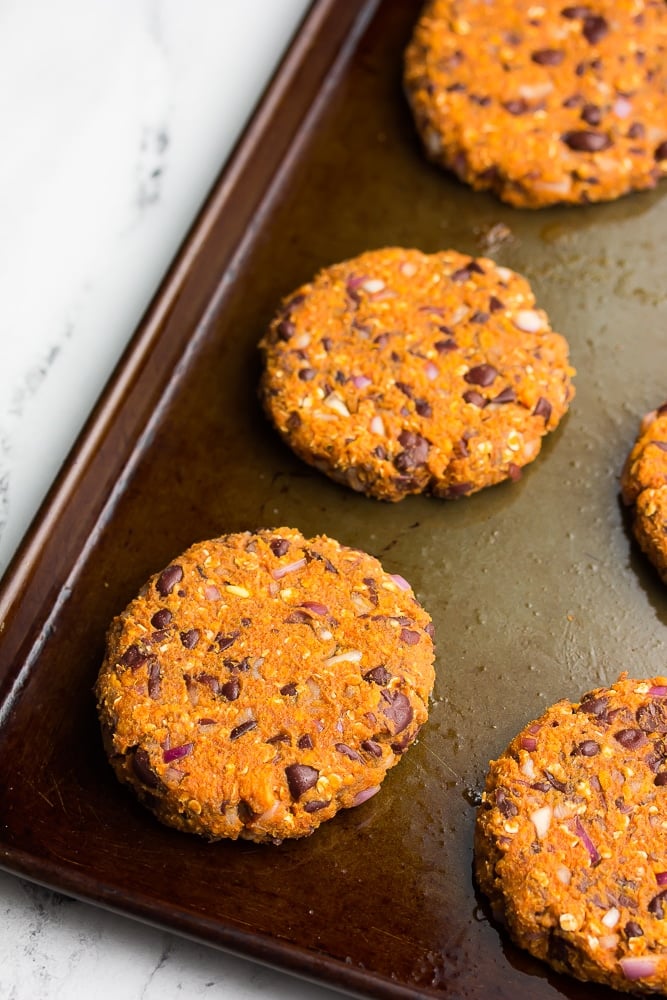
536, 589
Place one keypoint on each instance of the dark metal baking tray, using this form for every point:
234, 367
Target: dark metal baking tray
535, 587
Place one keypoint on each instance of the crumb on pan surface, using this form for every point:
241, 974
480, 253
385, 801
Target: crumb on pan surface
644, 488
399, 372
543, 103
571, 836
263, 681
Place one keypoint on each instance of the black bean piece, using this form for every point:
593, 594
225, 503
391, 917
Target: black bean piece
133, 657
661, 151
591, 114
348, 752
300, 777
315, 805
594, 29
371, 747
586, 141
397, 709
479, 317
154, 680
637, 131
161, 618
542, 408
168, 579
305, 742
279, 546
378, 675
225, 641
289, 690
190, 638
416, 449
285, 329
423, 408
548, 57
576, 11
443, 346
516, 106
505, 805
656, 906
244, 728
475, 398
652, 717
590, 704
142, 768
231, 689
495, 304
555, 782
631, 739
633, 929
306, 374
279, 738
588, 748
661, 779
209, 680
409, 636
507, 395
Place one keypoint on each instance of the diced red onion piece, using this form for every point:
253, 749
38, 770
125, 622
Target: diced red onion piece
408, 268
350, 656
400, 581
377, 425
661, 878
361, 381
609, 941
365, 795
431, 370
578, 828
534, 728
658, 691
528, 743
354, 281
302, 341
282, 571
315, 607
622, 107
176, 753
541, 820
211, 593
639, 966
528, 320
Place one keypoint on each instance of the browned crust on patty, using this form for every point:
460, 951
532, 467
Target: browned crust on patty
570, 842
543, 103
644, 488
263, 681
400, 372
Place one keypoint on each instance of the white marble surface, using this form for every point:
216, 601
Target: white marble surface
116, 117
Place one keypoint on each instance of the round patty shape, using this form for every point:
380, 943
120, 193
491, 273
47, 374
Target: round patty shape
401, 372
261, 682
644, 488
543, 103
571, 844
